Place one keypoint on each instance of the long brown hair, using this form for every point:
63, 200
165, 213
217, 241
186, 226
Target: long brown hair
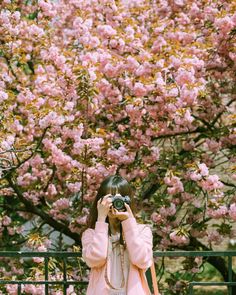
111, 185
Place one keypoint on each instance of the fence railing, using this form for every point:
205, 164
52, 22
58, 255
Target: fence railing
66, 282
229, 254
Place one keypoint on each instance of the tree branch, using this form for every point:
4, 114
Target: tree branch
48, 219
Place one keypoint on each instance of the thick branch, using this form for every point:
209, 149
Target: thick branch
47, 219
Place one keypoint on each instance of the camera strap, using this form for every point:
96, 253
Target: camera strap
122, 266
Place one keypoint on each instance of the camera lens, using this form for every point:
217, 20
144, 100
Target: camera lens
118, 204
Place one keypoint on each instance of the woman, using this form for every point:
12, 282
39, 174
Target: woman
115, 247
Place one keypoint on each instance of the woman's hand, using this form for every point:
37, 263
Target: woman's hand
103, 206
123, 215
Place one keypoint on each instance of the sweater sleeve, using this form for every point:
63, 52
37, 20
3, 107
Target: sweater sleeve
139, 243
94, 245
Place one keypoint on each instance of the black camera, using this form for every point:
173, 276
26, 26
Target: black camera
119, 201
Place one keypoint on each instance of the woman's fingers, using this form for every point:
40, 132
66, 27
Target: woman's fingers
128, 208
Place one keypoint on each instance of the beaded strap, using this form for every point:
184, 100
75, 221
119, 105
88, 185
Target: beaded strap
122, 265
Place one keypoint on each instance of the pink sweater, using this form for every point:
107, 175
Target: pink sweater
138, 239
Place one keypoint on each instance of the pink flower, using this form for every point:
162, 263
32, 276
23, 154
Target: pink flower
212, 182
179, 2
217, 213
188, 97
214, 236
184, 77
12, 289
225, 24
175, 182
6, 220
132, 63
38, 259
52, 118
156, 218
106, 31
139, 89
232, 211
61, 204
52, 191
168, 211
47, 8
178, 237
212, 145
74, 187
110, 70
82, 220
200, 173
158, 44
3, 96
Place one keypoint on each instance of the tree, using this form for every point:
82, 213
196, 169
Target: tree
141, 88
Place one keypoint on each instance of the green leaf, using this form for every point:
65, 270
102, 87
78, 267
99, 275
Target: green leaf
33, 15
27, 69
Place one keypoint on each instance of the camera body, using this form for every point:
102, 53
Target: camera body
118, 201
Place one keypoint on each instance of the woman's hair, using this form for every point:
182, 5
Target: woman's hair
111, 185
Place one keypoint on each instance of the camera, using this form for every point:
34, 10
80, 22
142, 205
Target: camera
119, 201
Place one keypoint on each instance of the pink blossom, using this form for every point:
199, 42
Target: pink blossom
6, 220
184, 77
232, 211
158, 44
139, 89
52, 191
38, 259
183, 117
47, 8
106, 31
60, 209
62, 204
179, 2
34, 31
220, 212
212, 182
34, 289
52, 118
214, 237
175, 182
12, 289
197, 233
3, 96
168, 211
132, 63
120, 155
143, 70
188, 97
110, 70
156, 218
82, 220
203, 169
201, 172
179, 238
74, 187
212, 145
225, 24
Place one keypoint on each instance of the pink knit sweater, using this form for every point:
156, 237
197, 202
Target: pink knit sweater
138, 239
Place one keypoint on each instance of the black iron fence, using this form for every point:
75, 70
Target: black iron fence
65, 282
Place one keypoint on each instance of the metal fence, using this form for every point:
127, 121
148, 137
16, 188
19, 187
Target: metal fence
229, 254
65, 282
